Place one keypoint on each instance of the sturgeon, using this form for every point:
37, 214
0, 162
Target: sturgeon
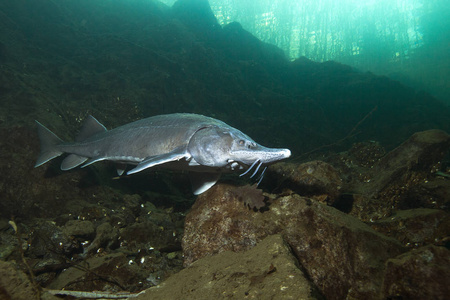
204, 146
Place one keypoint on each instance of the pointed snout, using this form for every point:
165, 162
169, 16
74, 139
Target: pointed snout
270, 155
262, 154
286, 153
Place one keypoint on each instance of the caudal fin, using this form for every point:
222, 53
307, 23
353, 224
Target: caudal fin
48, 141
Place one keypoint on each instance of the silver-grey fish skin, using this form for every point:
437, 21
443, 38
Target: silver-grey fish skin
135, 141
190, 142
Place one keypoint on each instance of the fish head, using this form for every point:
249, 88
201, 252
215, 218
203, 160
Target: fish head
220, 147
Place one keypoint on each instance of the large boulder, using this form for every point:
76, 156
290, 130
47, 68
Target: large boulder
403, 178
340, 254
315, 179
267, 271
420, 274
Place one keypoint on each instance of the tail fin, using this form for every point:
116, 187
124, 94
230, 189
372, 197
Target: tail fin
48, 145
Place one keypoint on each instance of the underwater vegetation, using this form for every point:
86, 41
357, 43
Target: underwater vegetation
360, 210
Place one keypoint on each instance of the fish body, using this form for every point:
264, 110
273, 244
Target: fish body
203, 145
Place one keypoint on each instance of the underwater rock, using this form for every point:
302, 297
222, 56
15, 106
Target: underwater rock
419, 153
46, 270
106, 236
342, 256
115, 272
366, 154
402, 179
133, 202
416, 227
106, 272
79, 228
14, 284
49, 240
196, 14
419, 274
250, 195
215, 224
123, 217
155, 229
252, 53
8, 243
314, 179
4, 224
432, 193
354, 163
148, 235
267, 271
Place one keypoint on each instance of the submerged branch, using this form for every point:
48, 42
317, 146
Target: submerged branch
349, 135
95, 295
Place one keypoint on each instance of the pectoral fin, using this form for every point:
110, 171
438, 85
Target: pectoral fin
201, 182
155, 160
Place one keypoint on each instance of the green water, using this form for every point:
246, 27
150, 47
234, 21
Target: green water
407, 40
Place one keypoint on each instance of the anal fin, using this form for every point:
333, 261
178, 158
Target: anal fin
72, 161
93, 160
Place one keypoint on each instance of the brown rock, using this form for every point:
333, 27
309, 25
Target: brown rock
400, 179
341, 255
416, 227
215, 224
49, 240
419, 274
250, 195
314, 179
422, 150
106, 236
434, 192
146, 234
79, 228
365, 154
267, 271
108, 272
15, 284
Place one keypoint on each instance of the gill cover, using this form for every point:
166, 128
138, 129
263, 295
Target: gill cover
210, 146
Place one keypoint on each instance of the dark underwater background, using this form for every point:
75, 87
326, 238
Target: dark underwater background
121, 61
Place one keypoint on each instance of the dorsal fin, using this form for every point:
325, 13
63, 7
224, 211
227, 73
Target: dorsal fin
90, 127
